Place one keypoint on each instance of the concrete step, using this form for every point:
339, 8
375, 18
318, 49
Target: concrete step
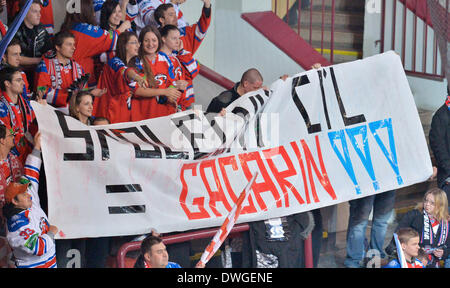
340, 36
349, 20
340, 5
352, 48
340, 58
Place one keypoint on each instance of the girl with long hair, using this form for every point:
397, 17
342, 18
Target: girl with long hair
164, 70
155, 70
111, 15
91, 40
124, 77
80, 107
115, 104
431, 219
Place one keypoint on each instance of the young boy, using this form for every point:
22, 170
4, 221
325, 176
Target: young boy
409, 242
29, 233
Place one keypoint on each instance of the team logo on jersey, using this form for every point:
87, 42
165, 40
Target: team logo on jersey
43, 225
32, 241
178, 72
17, 221
161, 79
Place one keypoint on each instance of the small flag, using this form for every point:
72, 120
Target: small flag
14, 27
401, 256
227, 225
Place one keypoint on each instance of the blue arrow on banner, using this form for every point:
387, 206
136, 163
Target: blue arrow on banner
12, 30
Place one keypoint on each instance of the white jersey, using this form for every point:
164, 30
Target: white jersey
27, 230
98, 4
142, 15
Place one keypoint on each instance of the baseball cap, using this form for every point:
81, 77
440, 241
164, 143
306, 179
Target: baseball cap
15, 188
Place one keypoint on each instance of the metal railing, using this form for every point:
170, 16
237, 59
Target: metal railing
284, 8
406, 28
201, 234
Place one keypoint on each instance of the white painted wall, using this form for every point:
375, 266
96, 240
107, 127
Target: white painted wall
232, 46
428, 94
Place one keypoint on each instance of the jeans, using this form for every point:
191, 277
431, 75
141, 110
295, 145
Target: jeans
360, 209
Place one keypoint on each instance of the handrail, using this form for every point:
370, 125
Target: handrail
285, 14
176, 238
420, 11
283, 37
200, 234
215, 77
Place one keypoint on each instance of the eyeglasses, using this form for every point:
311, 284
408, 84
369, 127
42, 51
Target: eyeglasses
20, 80
428, 202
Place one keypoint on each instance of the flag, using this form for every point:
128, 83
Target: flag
13, 28
401, 256
227, 225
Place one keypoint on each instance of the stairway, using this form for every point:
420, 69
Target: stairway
348, 23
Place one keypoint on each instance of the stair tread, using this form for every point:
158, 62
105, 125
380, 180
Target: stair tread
327, 27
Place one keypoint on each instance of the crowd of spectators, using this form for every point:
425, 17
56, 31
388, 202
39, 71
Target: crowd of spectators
120, 61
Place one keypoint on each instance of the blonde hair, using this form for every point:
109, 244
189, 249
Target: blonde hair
406, 234
440, 204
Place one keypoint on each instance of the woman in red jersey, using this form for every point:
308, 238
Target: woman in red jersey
115, 105
154, 70
91, 40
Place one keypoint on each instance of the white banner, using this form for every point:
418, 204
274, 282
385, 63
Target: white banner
320, 138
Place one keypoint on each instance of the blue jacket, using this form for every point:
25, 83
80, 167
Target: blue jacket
395, 264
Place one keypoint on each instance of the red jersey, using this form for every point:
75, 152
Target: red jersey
10, 171
167, 69
415, 264
143, 107
47, 16
91, 41
26, 87
191, 70
3, 29
193, 35
17, 117
115, 105
54, 78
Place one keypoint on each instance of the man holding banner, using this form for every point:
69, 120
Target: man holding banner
153, 178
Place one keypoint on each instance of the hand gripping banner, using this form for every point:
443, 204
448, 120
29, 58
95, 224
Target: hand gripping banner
320, 138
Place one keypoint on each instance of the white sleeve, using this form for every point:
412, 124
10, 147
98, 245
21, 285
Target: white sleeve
147, 9
31, 172
132, 11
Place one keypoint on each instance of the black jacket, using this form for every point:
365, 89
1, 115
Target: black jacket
287, 253
223, 100
34, 42
440, 143
414, 219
